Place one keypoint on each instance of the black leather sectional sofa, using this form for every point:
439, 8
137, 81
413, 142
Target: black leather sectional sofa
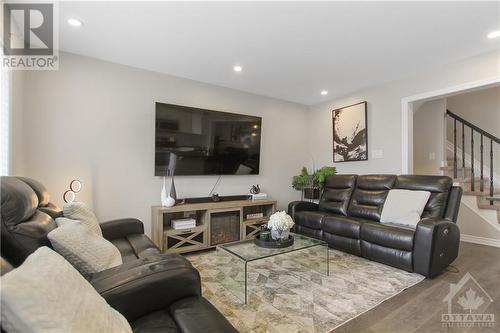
348, 218
155, 292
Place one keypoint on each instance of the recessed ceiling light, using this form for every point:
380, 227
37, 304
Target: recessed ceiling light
324, 92
494, 34
74, 22
237, 68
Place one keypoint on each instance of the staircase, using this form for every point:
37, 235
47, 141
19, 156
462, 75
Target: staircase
469, 170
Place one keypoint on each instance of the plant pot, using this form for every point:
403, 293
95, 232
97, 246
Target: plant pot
311, 193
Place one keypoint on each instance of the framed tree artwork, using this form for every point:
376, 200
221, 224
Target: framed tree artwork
350, 133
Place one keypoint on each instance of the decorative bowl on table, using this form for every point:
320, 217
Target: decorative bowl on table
273, 244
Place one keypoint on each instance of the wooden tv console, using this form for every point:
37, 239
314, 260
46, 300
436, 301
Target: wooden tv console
212, 220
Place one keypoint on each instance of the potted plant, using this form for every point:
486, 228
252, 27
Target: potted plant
311, 185
305, 182
320, 176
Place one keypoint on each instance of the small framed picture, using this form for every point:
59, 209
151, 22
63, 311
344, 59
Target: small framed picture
350, 133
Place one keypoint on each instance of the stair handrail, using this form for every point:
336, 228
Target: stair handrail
455, 160
469, 124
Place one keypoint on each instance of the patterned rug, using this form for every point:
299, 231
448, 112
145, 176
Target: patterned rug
288, 294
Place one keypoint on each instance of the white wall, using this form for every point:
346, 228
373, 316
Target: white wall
472, 224
17, 162
94, 120
480, 107
429, 137
384, 113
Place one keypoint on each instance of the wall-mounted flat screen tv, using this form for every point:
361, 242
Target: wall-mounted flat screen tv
193, 141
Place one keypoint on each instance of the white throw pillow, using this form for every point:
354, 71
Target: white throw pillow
86, 251
81, 212
404, 207
60, 221
46, 294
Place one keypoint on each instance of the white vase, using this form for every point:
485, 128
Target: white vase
278, 234
169, 202
166, 200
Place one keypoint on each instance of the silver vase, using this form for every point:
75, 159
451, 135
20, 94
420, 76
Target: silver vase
173, 193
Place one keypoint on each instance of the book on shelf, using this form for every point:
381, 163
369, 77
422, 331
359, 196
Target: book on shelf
184, 223
255, 216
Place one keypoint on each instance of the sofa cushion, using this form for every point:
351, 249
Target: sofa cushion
143, 246
87, 252
135, 246
314, 233
394, 257
310, 219
126, 250
346, 244
81, 212
439, 186
46, 294
342, 226
337, 194
369, 196
397, 237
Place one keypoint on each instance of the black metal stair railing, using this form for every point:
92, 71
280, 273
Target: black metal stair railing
483, 134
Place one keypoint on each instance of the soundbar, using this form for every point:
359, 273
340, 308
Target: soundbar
215, 199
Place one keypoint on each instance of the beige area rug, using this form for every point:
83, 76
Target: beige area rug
287, 295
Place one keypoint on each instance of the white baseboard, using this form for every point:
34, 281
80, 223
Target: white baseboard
480, 240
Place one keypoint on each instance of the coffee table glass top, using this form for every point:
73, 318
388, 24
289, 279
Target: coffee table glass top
247, 250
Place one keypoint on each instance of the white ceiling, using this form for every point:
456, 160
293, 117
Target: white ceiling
288, 50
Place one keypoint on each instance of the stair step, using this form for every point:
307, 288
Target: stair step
484, 198
467, 191
450, 168
468, 181
483, 203
488, 206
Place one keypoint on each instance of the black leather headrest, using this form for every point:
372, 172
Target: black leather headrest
341, 181
376, 182
438, 184
19, 201
40, 190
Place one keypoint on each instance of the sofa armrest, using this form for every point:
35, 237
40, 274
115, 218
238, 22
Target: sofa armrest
435, 246
148, 285
121, 228
196, 314
296, 206
453, 206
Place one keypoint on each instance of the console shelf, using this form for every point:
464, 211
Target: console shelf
212, 220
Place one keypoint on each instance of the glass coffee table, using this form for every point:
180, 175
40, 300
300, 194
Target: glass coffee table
244, 252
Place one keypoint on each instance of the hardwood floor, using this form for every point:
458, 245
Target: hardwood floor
419, 308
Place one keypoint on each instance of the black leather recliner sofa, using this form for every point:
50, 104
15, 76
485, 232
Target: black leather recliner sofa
348, 219
154, 291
